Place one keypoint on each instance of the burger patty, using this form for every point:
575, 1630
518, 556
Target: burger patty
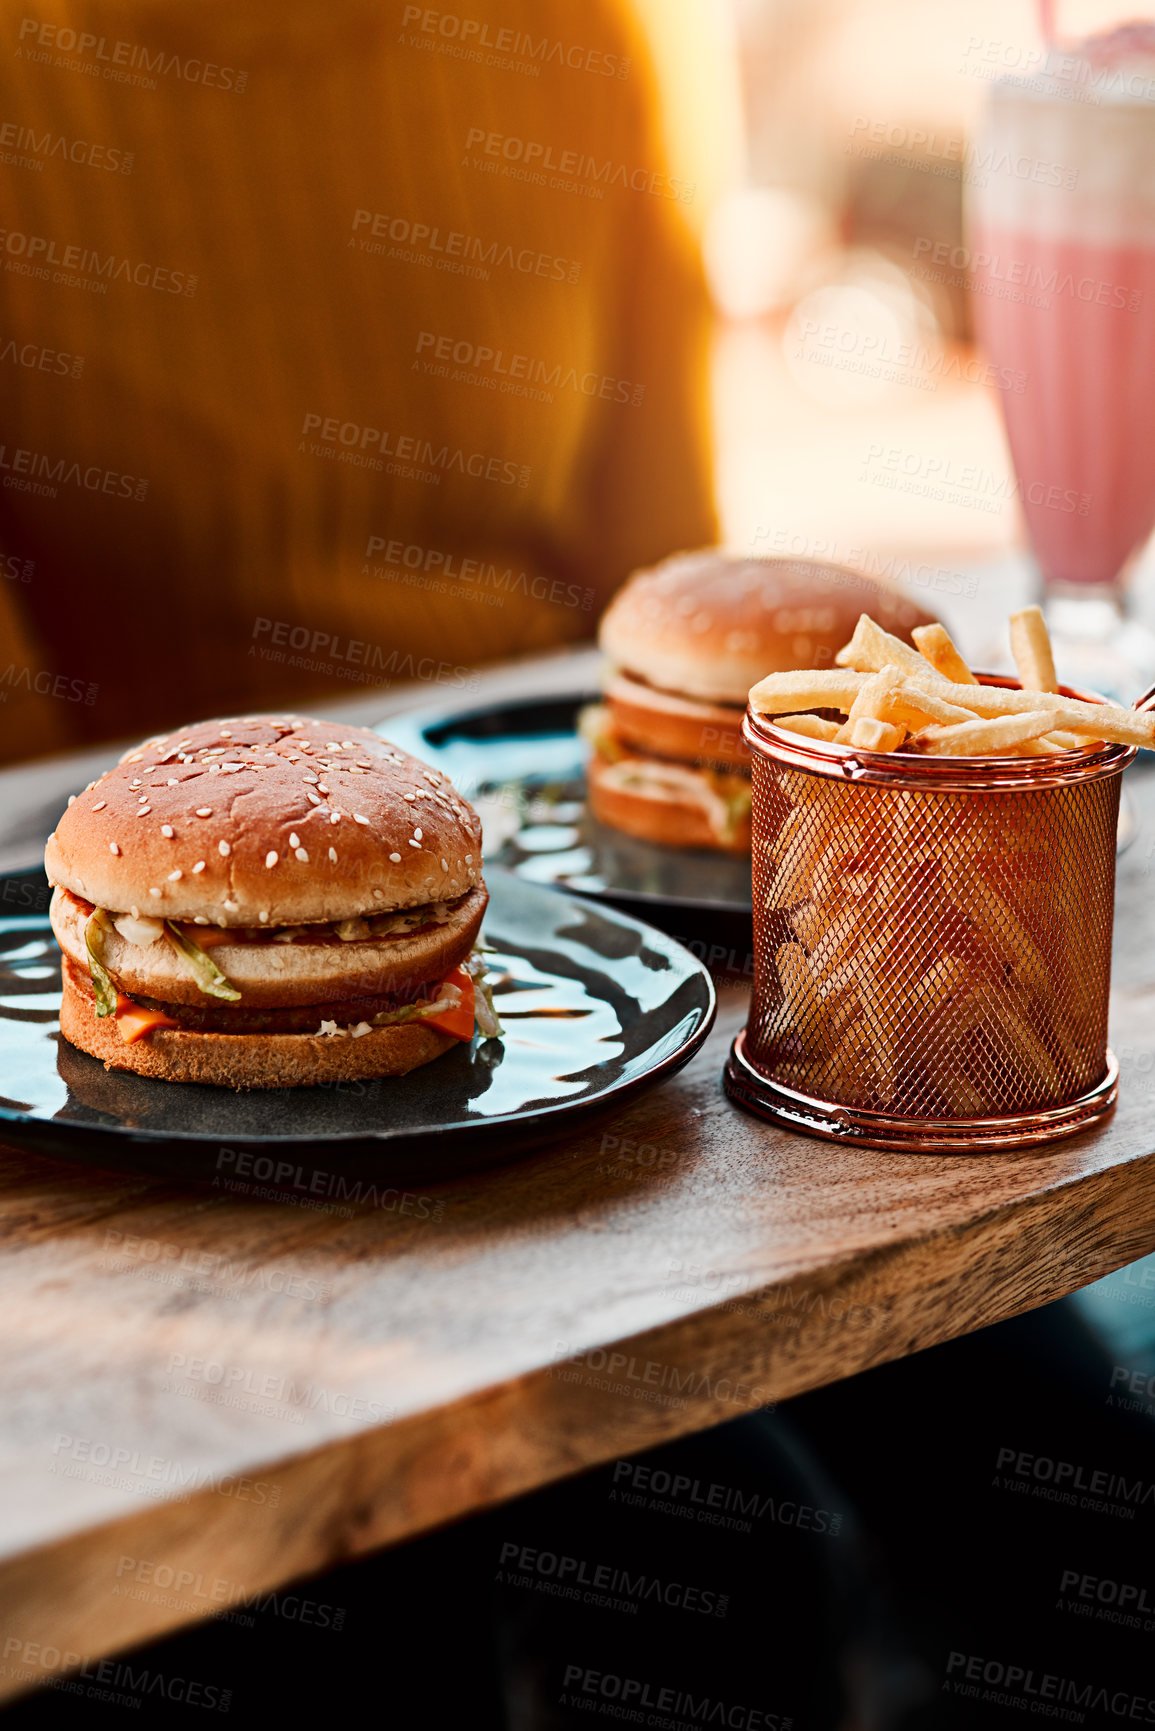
216, 1018
305, 1019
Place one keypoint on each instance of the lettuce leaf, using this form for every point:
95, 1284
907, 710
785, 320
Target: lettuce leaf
208, 976
409, 1013
484, 1013
95, 930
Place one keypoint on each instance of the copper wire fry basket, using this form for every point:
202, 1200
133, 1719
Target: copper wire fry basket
932, 943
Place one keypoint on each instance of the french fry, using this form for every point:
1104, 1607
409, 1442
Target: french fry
1041, 747
1030, 1050
870, 702
812, 726
956, 1087
1090, 720
1031, 648
870, 735
937, 646
810, 921
1085, 722
992, 914
1071, 741
803, 858
943, 980
784, 693
913, 708
801, 997
871, 648
993, 738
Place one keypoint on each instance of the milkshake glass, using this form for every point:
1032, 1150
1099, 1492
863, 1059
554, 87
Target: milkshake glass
1061, 229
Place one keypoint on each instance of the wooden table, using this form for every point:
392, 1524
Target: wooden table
206, 1393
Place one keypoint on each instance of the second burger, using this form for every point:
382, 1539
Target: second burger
684, 642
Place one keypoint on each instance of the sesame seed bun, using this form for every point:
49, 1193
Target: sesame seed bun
710, 624
266, 820
246, 1060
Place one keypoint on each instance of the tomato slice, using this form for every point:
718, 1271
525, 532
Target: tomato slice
134, 1021
458, 1020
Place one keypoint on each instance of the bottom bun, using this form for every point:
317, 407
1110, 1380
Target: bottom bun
666, 803
248, 1060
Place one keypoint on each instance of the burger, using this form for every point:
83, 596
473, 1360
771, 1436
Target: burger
269, 902
684, 642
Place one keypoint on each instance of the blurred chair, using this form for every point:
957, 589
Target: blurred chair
346, 344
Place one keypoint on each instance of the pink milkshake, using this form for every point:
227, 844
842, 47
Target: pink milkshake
1062, 238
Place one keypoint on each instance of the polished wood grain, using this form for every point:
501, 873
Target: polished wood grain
207, 1393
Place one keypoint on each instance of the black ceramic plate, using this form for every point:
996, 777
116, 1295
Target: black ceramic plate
522, 763
595, 1005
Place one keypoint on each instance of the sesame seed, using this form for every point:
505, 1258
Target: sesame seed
378, 895
135, 782
154, 892
410, 797
232, 906
445, 865
225, 733
396, 858
175, 877
71, 799
321, 788
294, 840
311, 797
134, 757
200, 866
309, 776
100, 805
135, 912
359, 818
271, 858
172, 782
112, 847
263, 915
435, 779
334, 817
142, 811
469, 859
417, 833
332, 745
415, 844
167, 829
200, 919
303, 856
333, 855
224, 848
349, 744
204, 811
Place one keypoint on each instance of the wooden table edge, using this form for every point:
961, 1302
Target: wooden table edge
359, 1493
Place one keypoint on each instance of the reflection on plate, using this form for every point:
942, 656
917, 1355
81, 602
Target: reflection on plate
522, 764
595, 1006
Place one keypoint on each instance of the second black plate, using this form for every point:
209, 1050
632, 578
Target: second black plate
522, 764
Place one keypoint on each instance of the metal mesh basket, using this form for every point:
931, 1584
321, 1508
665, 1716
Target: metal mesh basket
932, 943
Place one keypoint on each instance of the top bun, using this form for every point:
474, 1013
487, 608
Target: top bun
266, 820
711, 624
